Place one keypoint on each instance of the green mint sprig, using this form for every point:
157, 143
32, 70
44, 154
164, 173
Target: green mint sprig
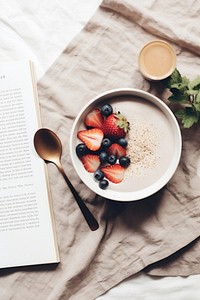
186, 94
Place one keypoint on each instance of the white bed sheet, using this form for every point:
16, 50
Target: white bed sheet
40, 30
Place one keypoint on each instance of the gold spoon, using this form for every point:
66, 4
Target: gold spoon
48, 146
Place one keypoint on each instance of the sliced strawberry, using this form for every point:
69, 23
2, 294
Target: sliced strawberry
117, 150
91, 137
94, 118
114, 173
91, 162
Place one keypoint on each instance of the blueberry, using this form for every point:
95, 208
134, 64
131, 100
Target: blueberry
106, 110
123, 142
103, 157
81, 149
112, 159
103, 184
106, 142
98, 175
124, 161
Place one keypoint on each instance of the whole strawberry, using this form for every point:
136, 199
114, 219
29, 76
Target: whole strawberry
115, 126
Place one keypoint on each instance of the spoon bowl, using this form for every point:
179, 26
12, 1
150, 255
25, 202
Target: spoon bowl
49, 147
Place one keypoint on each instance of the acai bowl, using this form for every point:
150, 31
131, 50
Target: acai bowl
152, 145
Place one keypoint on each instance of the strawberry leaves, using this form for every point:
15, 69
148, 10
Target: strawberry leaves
122, 122
186, 94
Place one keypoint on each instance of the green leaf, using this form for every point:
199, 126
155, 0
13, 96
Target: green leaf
178, 97
197, 102
186, 94
179, 86
197, 99
188, 116
195, 84
185, 81
176, 76
192, 92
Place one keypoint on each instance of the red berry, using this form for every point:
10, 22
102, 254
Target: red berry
115, 126
114, 173
117, 150
94, 118
91, 137
91, 162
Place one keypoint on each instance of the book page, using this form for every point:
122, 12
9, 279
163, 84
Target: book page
27, 234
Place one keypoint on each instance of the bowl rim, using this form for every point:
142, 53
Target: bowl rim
155, 187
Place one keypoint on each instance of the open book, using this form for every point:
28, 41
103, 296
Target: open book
27, 232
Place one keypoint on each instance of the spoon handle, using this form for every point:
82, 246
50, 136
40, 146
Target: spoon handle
90, 219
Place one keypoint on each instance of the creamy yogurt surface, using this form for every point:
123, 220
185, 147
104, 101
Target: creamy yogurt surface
150, 143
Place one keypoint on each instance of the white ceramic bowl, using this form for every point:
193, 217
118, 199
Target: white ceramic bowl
154, 144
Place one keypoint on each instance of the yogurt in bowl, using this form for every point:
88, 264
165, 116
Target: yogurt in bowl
154, 144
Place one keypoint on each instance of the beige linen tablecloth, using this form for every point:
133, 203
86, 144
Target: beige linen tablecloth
159, 234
